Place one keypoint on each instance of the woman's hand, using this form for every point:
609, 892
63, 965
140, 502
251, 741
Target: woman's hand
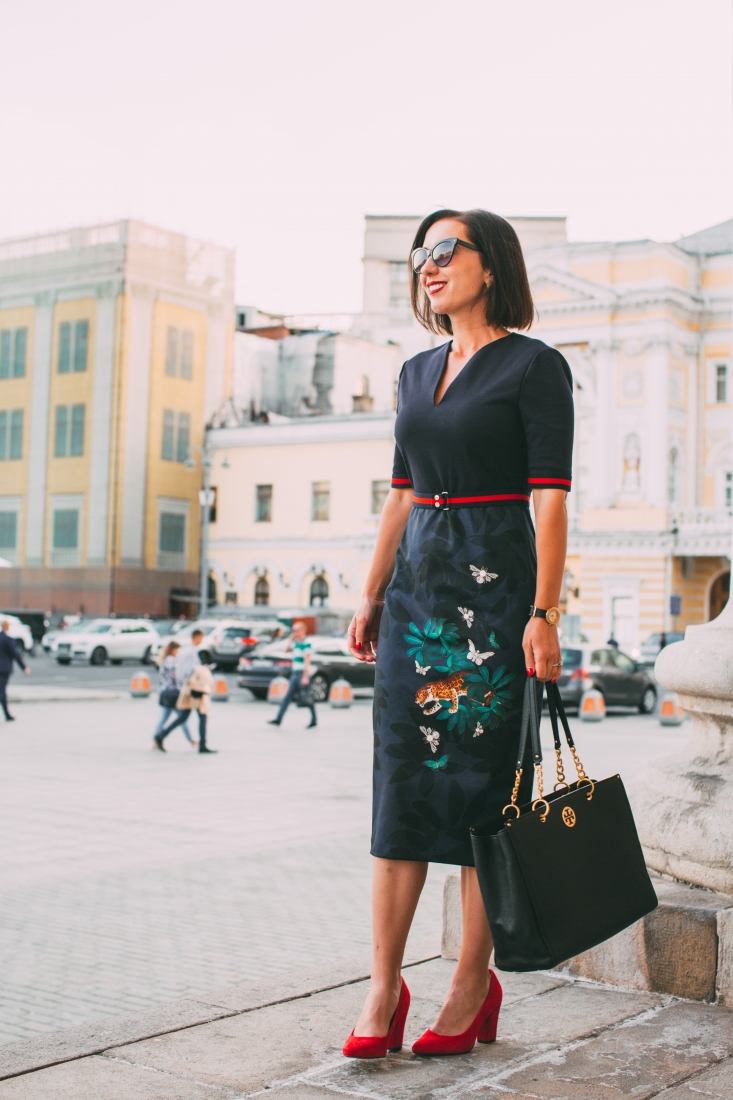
541, 647
364, 629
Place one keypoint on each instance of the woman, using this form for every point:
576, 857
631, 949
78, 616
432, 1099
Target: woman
169, 688
461, 597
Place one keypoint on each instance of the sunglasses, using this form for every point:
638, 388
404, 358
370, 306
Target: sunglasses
441, 253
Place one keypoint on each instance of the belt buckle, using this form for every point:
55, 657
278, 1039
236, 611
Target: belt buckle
441, 501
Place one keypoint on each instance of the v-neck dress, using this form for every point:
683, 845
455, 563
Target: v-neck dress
450, 669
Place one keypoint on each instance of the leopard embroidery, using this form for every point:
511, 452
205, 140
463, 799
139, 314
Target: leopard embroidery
450, 688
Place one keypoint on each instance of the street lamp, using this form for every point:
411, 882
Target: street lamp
206, 499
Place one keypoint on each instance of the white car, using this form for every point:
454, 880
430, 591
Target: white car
116, 640
20, 633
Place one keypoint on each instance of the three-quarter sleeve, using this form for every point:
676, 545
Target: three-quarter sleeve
546, 408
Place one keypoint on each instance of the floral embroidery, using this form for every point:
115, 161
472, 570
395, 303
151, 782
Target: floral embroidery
469, 697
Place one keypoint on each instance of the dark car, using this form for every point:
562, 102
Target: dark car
330, 660
622, 681
225, 644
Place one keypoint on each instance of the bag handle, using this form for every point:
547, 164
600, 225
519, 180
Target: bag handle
555, 703
530, 727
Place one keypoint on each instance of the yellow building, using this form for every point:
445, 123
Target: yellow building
646, 328
115, 347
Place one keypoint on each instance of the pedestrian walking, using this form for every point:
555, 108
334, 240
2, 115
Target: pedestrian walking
197, 684
460, 602
300, 646
9, 653
169, 690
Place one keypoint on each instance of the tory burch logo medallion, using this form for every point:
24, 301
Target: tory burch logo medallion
568, 816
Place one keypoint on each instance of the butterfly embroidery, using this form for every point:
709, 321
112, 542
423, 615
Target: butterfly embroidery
432, 737
422, 669
482, 576
479, 730
467, 615
474, 655
435, 764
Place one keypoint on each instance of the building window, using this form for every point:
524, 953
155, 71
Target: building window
73, 346
728, 492
172, 538
319, 592
69, 433
674, 477
65, 537
262, 592
13, 344
263, 504
380, 491
399, 286
721, 383
176, 439
179, 353
8, 530
11, 434
321, 506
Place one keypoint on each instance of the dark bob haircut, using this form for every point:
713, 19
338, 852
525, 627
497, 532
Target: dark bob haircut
508, 300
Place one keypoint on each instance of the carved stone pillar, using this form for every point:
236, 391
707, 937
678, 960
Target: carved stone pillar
684, 803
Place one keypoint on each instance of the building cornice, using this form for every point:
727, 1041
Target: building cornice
358, 427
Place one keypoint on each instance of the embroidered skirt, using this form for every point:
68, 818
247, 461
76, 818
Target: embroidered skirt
449, 679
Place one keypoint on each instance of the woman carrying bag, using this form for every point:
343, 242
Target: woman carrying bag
169, 691
460, 603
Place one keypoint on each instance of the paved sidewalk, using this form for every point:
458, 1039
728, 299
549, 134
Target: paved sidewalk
558, 1038
132, 878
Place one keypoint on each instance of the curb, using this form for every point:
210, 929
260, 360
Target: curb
71, 1044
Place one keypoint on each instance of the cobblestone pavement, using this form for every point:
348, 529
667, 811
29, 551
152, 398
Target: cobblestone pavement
131, 878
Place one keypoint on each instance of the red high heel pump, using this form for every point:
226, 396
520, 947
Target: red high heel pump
483, 1027
376, 1046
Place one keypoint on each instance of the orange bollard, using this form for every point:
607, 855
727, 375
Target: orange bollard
220, 694
140, 686
592, 706
276, 691
340, 694
670, 712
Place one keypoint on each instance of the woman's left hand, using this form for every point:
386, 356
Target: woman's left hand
541, 647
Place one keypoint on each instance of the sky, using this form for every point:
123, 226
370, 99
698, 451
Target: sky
274, 127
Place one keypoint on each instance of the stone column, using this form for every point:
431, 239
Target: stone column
684, 803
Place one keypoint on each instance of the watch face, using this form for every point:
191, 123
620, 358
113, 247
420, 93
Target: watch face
552, 616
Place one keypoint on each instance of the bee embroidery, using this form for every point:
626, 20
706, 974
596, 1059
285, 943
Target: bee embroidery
482, 576
479, 730
432, 737
467, 615
474, 655
422, 669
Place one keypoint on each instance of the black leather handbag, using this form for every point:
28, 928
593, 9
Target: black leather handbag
566, 871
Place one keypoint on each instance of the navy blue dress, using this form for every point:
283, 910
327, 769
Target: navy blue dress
450, 668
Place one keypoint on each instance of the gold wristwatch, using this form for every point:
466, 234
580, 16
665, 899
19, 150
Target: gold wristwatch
551, 615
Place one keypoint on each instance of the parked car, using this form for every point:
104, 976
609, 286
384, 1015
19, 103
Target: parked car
621, 680
655, 643
99, 640
230, 640
182, 631
19, 632
330, 660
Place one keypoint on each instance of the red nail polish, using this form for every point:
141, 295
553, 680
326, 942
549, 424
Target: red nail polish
530, 672
357, 645
554, 681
